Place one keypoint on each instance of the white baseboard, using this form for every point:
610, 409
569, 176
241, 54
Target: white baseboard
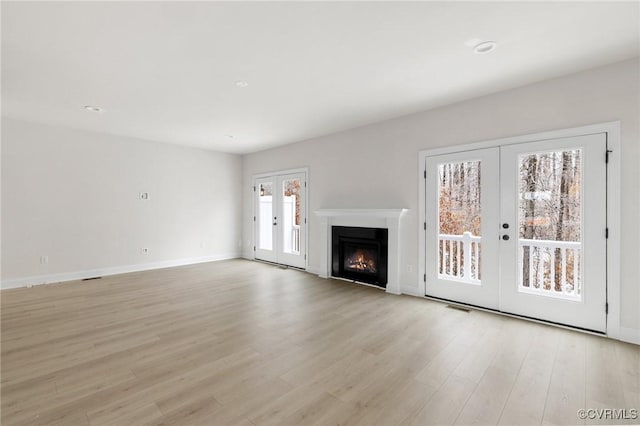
411, 291
313, 269
629, 335
112, 270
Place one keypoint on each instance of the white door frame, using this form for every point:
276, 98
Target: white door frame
256, 176
612, 129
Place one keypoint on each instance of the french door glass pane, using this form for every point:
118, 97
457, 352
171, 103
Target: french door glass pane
265, 215
459, 215
291, 200
550, 223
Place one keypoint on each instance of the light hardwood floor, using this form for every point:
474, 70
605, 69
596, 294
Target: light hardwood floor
243, 343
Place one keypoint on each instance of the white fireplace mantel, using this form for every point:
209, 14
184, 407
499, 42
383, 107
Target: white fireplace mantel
375, 218
383, 213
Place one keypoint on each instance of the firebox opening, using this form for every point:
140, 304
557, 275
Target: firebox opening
360, 254
361, 260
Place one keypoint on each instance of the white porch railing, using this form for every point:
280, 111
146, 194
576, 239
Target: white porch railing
459, 257
295, 238
554, 268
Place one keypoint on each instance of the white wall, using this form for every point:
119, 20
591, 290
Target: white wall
377, 166
73, 196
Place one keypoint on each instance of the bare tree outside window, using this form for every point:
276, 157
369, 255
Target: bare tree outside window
549, 224
550, 220
460, 220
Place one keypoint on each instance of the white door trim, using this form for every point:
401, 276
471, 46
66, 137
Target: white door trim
257, 176
612, 129
282, 172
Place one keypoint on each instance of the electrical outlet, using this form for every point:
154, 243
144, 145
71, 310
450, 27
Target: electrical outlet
44, 259
143, 195
409, 268
144, 250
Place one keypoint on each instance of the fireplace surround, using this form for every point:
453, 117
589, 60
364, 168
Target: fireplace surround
388, 219
360, 254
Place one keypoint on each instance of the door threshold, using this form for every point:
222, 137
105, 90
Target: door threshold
517, 316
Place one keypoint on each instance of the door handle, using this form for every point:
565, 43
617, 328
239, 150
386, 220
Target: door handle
505, 237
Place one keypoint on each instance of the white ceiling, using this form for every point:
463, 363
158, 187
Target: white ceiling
166, 71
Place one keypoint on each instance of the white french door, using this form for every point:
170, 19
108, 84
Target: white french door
553, 255
280, 219
462, 215
521, 229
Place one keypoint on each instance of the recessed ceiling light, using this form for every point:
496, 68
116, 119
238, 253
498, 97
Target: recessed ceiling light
242, 83
485, 47
93, 108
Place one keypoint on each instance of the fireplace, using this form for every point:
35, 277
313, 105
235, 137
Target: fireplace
388, 220
360, 254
